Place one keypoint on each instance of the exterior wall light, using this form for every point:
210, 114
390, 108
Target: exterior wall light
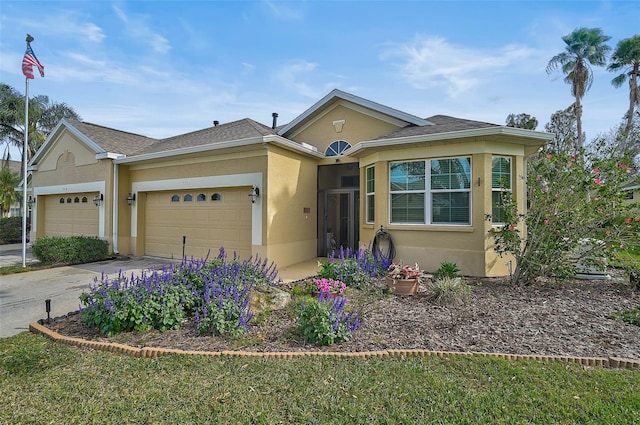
131, 198
31, 201
253, 195
97, 200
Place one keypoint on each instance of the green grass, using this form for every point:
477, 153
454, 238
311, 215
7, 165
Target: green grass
19, 269
45, 382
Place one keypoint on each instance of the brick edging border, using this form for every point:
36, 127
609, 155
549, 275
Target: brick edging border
153, 352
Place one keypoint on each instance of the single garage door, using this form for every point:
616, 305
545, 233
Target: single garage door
208, 218
71, 215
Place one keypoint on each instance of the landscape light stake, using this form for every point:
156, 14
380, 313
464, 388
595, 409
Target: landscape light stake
47, 306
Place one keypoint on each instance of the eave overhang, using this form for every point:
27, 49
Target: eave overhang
525, 137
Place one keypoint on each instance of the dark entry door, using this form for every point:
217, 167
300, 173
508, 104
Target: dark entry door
341, 216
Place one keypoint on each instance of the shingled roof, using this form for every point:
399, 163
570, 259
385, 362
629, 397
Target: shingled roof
236, 130
115, 141
441, 124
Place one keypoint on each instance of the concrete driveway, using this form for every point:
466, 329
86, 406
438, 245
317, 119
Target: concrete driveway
23, 295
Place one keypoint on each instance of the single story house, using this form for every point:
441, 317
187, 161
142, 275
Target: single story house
330, 178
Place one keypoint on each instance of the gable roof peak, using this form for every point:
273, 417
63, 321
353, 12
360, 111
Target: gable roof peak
336, 94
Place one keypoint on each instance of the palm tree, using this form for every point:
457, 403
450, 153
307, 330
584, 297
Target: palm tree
585, 47
626, 58
9, 180
43, 117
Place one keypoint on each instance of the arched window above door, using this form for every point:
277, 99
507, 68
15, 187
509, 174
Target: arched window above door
337, 148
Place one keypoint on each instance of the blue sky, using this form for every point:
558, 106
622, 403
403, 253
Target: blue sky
161, 68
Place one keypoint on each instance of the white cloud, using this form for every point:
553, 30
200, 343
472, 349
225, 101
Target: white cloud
429, 62
137, 28
290, 77
283, 12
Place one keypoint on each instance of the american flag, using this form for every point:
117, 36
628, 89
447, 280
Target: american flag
28, 61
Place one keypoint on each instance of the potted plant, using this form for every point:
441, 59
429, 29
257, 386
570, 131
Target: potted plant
403, 279
326, 286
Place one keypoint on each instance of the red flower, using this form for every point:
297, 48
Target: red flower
549, 156
597, 181
547, 221
596, 171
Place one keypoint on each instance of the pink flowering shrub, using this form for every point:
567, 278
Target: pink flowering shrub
328, 286
572, 198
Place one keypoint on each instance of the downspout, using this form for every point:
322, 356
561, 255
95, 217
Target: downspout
114, 225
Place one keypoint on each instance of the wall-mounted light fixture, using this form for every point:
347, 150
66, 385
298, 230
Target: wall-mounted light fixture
131, 198
31, 201
478, 181
98, 199
253, 195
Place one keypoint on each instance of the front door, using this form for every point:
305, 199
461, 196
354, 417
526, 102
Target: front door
341, 217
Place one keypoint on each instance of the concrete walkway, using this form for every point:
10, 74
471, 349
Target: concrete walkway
23, 295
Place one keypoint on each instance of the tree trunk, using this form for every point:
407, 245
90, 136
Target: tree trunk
633, 97
578, 112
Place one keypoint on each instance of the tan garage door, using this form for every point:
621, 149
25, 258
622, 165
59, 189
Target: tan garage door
209, 218
70, 215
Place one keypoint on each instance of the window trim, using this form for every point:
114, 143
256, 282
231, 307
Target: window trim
370, 197
428, 192
499, 189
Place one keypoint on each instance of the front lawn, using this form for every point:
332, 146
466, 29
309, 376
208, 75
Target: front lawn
44, 382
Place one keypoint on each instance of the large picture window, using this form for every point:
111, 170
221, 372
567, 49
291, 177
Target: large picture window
370, 176
434, 191
500, 183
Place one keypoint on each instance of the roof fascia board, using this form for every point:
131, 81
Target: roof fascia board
60, 127
478, 132
335, 93
294, 146
277, 140
110, 155
355, 107
192, 149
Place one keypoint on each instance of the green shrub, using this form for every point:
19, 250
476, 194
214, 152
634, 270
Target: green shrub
628, 316
356, 269
449, 291
70, 249
323, 320
11, 229
446, 270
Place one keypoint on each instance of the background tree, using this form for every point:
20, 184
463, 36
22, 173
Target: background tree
43, 117
525, 121
626, 58
585, 47
9, 180
563, 125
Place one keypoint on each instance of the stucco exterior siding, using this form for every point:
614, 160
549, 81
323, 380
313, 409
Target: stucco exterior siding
356, 127
291, 207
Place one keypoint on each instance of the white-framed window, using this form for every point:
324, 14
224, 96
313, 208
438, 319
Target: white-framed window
337, 148
436, 191
501, 181
370, 178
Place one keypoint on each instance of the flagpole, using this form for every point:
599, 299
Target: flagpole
24, 168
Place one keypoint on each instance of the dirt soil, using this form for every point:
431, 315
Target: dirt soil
568, 319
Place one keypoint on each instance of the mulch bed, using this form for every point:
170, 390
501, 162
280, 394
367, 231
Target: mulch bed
563, 319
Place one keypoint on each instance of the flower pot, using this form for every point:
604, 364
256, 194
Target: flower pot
402, 286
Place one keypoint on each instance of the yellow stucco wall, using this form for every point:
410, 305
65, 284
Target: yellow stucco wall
291, 214
356, 128
69, 166
429, 245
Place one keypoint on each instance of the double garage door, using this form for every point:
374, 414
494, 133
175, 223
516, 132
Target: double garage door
197, 222
72, 214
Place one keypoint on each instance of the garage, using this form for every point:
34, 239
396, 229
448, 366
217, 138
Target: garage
205, 219
72, 214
